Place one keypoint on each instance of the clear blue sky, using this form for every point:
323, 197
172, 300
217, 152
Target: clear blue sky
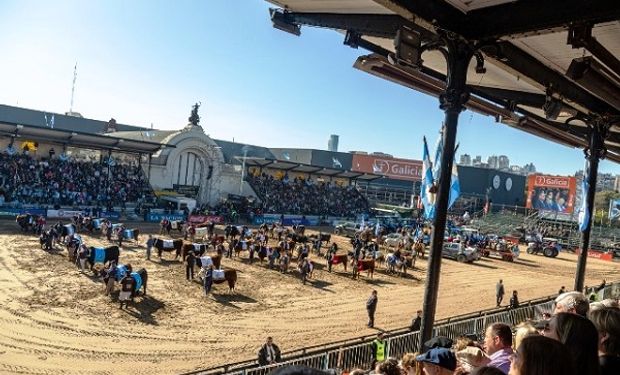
145, 62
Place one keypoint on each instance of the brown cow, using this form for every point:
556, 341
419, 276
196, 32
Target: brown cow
198, 248
230, 276
363, 265
216, 259
337, 259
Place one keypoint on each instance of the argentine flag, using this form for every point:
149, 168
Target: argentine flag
428, 198
455, 186
584, 213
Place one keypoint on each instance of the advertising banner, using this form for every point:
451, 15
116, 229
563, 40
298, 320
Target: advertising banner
201, 219
614, 209
13, 212
288, 220
399, 169
110, 215
156, 218
551, 193
62, 214
597, 254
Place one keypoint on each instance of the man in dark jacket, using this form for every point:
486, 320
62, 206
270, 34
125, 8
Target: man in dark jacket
190, 260
371, 307
499, 292
269, 353
416, 322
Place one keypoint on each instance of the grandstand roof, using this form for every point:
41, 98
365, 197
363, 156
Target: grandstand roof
285, 165
232, 150
74, 131
546, 62
79, 139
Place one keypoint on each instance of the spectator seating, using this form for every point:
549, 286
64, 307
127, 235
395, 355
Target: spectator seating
307, 197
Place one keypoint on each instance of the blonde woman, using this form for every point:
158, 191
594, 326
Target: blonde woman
523, 330
409, 365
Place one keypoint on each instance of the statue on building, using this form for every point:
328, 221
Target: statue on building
194, 118
111, 127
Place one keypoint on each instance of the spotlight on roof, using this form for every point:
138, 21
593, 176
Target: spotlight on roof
280, 21
408, 47
552, 108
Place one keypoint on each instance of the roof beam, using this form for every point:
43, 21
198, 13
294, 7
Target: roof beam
581, 37
377, 25
534, 16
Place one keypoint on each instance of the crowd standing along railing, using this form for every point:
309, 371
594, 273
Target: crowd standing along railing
354, 354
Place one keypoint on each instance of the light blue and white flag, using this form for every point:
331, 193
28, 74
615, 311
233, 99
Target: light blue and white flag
455, 186
438, 151
428, 198
584, 212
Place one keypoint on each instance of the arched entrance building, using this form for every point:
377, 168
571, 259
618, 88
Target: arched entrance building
195, 165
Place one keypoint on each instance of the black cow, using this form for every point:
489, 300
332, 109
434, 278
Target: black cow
176, 246
26, 222
111, 253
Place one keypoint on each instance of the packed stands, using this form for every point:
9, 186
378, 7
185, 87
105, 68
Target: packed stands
54, 181
307, 197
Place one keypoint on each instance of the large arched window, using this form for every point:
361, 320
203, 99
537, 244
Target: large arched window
190, 169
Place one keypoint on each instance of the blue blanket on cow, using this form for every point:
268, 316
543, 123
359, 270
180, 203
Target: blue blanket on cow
97, 223
121, 271
70, 229
138, 279
128, 234
99, 255
114, 226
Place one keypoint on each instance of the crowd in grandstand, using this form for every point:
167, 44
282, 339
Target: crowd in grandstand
307, 196
64, 181
580, 338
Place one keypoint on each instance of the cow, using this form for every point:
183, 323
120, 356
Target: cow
73, 244
418, 248
102, 255
26, 222
168, 246
363, 265
215, 259
140, 277
65, 230
333, 259
231, 231
131, 234
230, 276
45, 239
197, 248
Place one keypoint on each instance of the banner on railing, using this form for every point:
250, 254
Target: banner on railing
201, 219
286, 219
597, 254
13, 212
63, 214
110, 215
155, 218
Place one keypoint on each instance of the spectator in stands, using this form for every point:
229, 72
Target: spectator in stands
523, 330
300, 370
580, 337
498, 346
607, 323
269, 353
438, 361
572, 302
388, 367
409, 365
538, 355
562, 290
487, 370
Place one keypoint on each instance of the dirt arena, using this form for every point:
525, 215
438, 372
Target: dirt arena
54, 320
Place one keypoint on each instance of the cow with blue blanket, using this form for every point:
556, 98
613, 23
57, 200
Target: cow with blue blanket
168, 246
131, 234
103, 255
26, 222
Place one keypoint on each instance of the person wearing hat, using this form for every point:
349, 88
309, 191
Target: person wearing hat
438, 361
378, 347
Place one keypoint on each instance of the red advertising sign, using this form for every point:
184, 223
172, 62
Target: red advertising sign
551, 193
597, 255
201, 219
399, 169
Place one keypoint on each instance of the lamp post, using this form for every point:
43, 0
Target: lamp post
245, 150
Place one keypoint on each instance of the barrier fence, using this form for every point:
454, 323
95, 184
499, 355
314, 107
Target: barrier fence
358, 355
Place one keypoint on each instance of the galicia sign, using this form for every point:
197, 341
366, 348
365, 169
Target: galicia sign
399, 169
552, 181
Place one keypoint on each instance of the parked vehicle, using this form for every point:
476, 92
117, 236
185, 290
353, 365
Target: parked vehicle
348, 229
549, 247
460, 253
503, 249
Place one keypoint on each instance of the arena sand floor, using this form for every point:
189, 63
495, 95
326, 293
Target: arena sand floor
54, 320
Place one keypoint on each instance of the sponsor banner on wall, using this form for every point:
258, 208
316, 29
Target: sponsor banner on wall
201, 219
288, 220
155, 218
399, 169
551, 193
597, 254
13, 212
63, 214
110, 215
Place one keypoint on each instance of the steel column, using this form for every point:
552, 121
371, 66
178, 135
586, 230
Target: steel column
593, 155
452, 101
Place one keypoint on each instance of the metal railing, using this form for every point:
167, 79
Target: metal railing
358, 354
